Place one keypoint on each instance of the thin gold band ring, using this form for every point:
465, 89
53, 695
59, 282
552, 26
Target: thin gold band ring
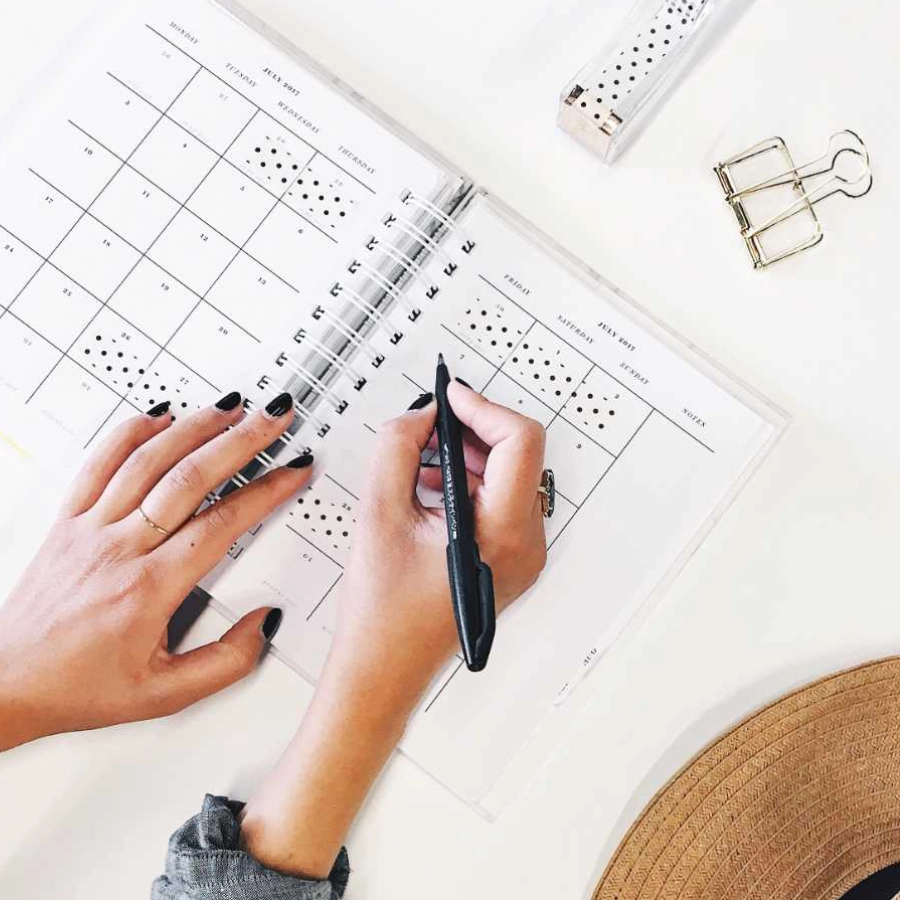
153, 524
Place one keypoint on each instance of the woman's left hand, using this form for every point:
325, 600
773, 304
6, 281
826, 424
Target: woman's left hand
83, 635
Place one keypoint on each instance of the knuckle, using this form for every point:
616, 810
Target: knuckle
244, 655
130, 431
277, 487
137, 461
236, 658
94, 467
533, 433
221, 516
144, 577
391, 430
111, 546
135, 581
186, 476
259, 431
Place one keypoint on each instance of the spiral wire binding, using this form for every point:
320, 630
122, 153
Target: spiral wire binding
340, 325
412, 268
380, 319
416, 233
399, 257
343, 366
429, 207
377, 277
320, 386
384, 283
389, 288
468, 245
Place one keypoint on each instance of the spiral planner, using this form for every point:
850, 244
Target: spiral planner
193, 206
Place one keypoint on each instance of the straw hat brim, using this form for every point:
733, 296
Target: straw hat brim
800, 801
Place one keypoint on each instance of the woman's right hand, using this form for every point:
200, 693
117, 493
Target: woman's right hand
396, 616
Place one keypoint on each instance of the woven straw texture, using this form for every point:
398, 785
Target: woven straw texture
801, 801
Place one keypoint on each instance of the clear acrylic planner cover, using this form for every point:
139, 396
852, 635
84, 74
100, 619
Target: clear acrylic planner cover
184, 165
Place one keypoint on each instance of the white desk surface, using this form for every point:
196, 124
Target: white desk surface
797, 580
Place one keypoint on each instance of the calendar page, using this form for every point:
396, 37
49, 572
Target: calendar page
180, 198
648, 442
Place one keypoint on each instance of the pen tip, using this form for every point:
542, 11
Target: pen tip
440, 359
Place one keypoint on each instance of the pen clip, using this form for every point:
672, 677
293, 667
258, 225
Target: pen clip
487, 618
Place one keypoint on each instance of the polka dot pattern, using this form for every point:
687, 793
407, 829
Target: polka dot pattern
637, 58
324, 515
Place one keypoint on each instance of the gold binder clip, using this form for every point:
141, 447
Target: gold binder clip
776, 213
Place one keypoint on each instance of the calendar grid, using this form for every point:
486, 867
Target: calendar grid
325, 596
165, 271
125, 319
165, 193
201, 298
228, 162
600, 479
84, 368
86, 211
311, 544
499, 369
601, 369
65, 352
343, 487
252, 103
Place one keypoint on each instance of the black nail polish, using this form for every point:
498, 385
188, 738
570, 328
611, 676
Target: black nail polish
229, 401
430, 465
464, 383
300, 462
159, 410
422, 401
271, 622
280, 405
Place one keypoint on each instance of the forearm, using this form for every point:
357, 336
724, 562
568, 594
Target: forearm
18, 724
21, 719
297, 821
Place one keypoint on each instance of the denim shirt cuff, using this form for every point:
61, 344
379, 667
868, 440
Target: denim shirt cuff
204, 862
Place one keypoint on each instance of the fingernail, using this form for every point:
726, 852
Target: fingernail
229, 401
430, 465
159, 410
271, 622
464, 383
300, 462
279, 406
421, 401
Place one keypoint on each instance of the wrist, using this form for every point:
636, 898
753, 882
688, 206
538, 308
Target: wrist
21, 718
388, 685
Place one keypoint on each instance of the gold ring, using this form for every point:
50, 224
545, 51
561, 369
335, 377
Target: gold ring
153, 524
547, 490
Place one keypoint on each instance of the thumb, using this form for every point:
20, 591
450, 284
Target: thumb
198, 673
399, 452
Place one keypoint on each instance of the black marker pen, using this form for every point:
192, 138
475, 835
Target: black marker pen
471, 581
